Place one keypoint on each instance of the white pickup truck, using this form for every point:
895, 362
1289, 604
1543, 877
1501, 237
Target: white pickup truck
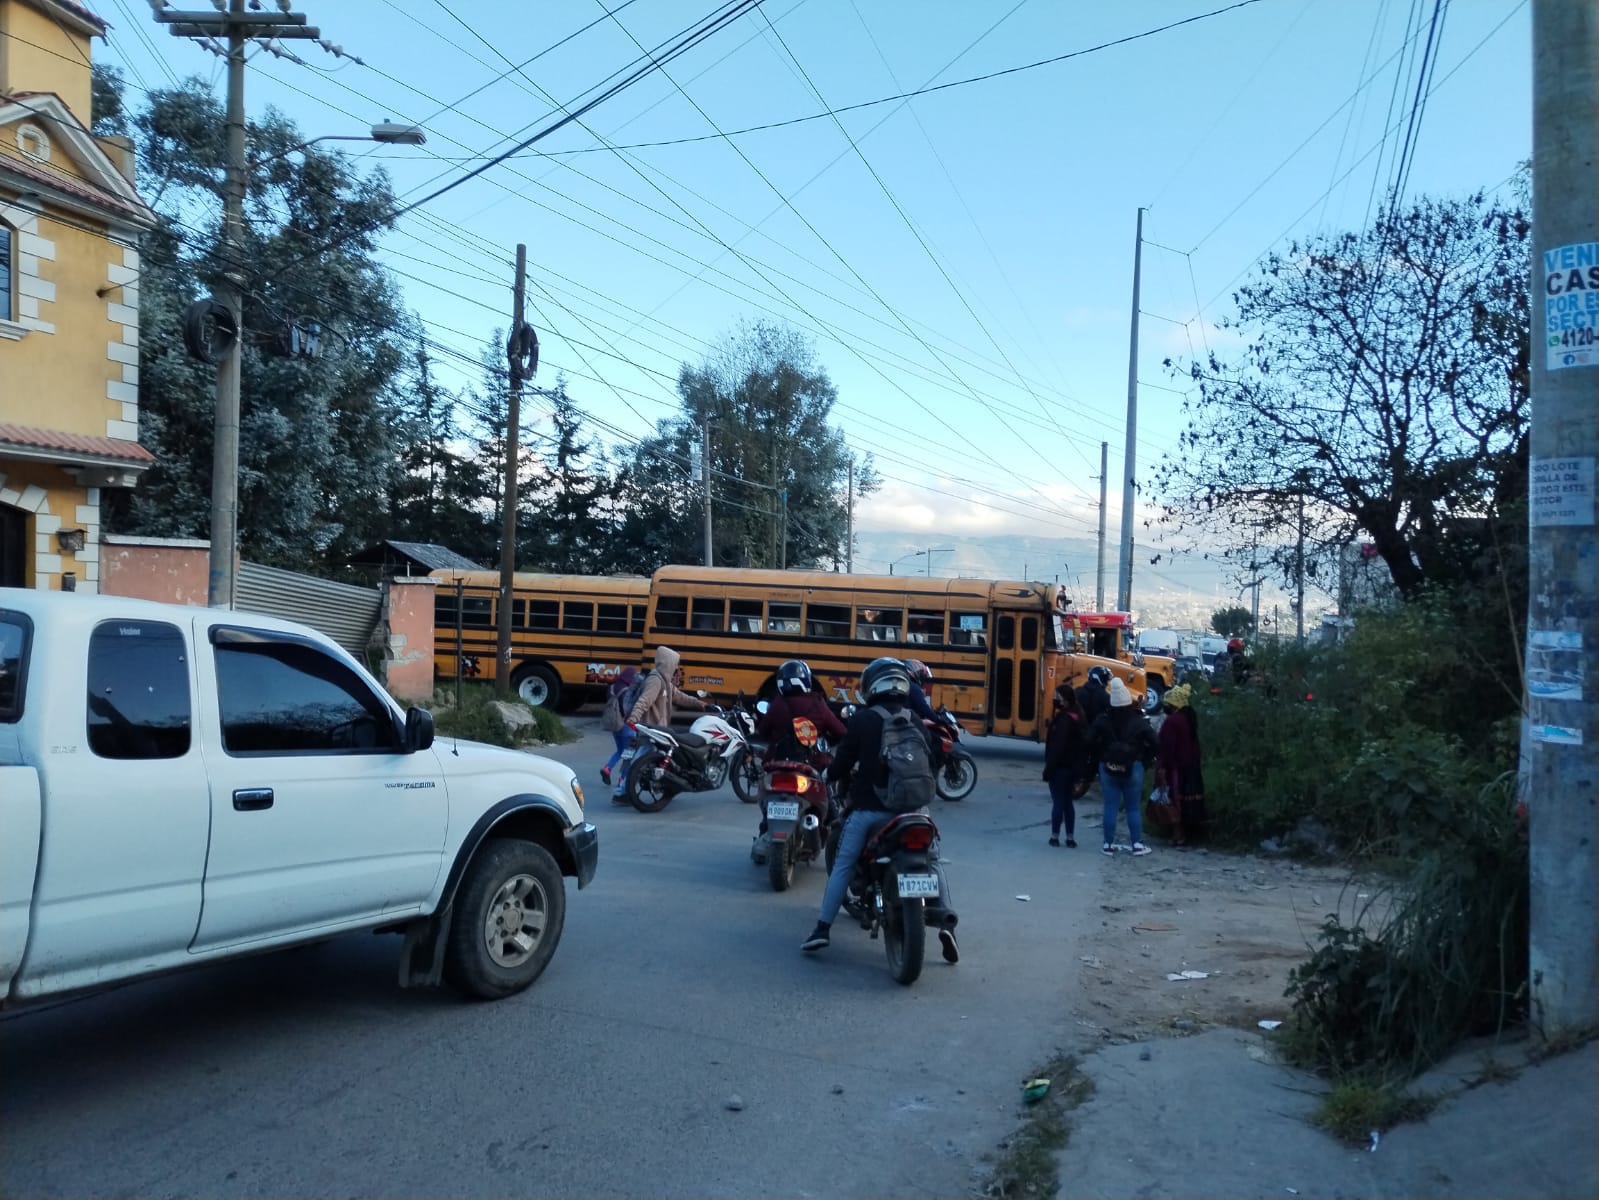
181, 785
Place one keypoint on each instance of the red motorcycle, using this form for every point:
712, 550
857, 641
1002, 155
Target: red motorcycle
954, 770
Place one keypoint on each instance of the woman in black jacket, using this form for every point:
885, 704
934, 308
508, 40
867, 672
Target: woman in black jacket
1065, 750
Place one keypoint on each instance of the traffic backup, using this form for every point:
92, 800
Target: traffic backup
181, 785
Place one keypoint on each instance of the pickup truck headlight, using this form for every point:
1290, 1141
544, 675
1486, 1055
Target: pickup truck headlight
577, 791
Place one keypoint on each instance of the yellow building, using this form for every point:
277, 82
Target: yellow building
70, 222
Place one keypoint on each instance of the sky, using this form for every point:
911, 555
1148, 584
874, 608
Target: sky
963, 258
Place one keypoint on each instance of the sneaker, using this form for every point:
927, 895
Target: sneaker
952, 953
620, 798
1071, 843
1054, 841
817, 941
1140, 848
1107, 848
605, 774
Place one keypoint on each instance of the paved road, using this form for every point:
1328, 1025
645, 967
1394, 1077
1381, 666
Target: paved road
678, 984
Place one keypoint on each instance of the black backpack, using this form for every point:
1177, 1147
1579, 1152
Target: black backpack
634, 691
907, 767
1121, 753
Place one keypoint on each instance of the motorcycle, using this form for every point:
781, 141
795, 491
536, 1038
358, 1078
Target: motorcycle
954, 769
893, 881
746, 775
796, 809
660, 763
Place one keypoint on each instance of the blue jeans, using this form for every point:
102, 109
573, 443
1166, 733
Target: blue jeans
624, 738
858, 829
1123, 791
621, 737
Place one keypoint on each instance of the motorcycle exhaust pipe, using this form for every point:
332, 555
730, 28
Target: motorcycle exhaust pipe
676, 780
810, 823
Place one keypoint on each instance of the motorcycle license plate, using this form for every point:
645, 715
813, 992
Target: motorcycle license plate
918, 885
782, 810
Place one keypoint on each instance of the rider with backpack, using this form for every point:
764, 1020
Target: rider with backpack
614, 720
1122, 742
884, 767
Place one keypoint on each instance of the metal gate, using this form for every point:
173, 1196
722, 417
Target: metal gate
344, 612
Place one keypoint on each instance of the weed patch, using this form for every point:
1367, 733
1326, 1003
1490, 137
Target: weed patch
1358, 1107
476, 719
1027, 1167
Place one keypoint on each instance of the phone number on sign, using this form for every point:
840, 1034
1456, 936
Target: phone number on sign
1575, 337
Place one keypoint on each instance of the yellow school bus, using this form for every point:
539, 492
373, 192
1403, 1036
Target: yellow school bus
997, 649
570, 634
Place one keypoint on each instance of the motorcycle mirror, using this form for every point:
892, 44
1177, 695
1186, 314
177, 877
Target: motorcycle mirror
762, 707
702, 693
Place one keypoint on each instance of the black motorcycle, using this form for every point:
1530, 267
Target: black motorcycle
893, 882
796, 811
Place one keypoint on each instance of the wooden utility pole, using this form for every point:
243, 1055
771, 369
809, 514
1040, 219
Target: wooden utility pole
516, 353
1561, 745
849, 521
1104, 479
1130, 455
705, 478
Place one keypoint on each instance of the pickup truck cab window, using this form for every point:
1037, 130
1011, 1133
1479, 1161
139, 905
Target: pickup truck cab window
139, 704
14, 631
289, 697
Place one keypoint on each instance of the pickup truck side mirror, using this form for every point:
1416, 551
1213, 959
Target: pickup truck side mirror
418, 730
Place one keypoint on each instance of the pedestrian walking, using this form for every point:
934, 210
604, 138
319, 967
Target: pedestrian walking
1065, 755
614, 720
1122, 744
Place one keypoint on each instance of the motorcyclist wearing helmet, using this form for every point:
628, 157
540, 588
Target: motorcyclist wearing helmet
921, 685
885, 682
1094, 696
1239, 661
783, 726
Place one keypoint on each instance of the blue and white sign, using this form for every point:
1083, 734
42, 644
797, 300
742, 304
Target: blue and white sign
1571, 305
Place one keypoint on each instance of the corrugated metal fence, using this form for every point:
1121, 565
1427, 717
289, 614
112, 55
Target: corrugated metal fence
344, 612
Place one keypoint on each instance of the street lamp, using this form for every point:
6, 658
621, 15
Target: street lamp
387, 133
928, 553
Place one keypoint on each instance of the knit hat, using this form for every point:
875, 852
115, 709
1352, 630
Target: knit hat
1120, 697
1178, 697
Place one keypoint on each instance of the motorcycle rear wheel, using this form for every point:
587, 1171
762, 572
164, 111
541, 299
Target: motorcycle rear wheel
904, 939
643, 792
957, 777
780, 864
745, 770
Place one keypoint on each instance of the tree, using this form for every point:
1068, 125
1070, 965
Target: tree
570, 494
778, 468
1236, 621
1384, 386
318, 452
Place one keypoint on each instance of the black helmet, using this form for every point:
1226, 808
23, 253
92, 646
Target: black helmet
885, 679
1100, 675
920, 672
793, 678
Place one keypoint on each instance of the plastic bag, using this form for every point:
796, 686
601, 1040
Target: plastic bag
1160, 796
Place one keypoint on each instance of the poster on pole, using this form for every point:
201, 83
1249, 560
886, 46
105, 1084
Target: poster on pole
1571, 306
1562, 491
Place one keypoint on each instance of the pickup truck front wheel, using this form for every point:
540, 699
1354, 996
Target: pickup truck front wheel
507, 920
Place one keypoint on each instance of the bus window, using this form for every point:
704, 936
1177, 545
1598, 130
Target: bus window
925, 628
1005, 631
612, 618
579, 616
877, 624
968, 629
745, 616
827, 620
1104, 643
637, 619
708, 612
541, 614
671, 612
1029, 634
477, 612
782, 617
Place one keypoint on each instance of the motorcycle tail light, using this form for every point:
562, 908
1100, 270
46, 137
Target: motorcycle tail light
787, 781
916, 837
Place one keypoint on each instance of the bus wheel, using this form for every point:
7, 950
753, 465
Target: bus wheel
537, 686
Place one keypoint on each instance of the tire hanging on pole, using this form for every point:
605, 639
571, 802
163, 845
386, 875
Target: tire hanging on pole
522, 351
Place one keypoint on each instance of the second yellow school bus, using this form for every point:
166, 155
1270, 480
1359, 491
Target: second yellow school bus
997, 649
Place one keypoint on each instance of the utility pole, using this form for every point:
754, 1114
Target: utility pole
849, 521
516, 361
1299, 605
238, 27
1130, 455
1104, 479
1561, 744
782, 533
705, 476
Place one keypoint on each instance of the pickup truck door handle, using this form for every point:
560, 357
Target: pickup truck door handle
250, 799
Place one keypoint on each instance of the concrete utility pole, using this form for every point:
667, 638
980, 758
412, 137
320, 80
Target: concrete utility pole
1130, 455
1562, 732
1104, 478
705, 477
238, 27
849, 521
516, 361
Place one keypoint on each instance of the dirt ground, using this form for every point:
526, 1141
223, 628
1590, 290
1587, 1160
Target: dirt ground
1244, 921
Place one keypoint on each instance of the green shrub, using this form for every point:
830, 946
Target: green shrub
476, 719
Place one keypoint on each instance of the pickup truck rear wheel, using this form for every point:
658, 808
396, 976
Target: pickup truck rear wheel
507, 920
